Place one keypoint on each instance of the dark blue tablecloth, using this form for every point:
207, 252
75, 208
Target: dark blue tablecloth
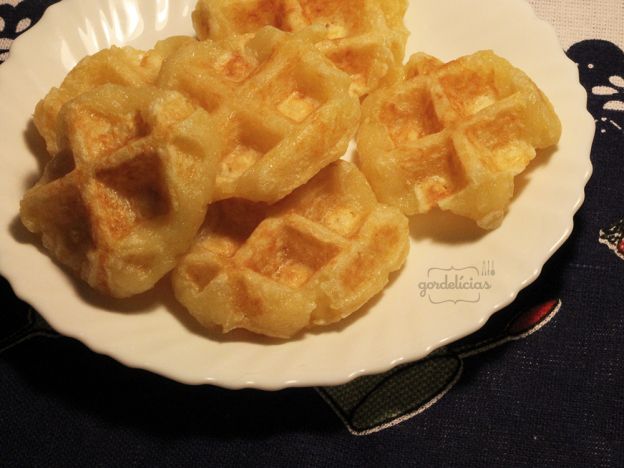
542, 384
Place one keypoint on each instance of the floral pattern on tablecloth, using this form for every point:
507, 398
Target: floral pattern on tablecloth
16, 17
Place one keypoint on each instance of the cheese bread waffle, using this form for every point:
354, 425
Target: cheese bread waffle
283, 109
311, 259
454, 135
123, 66
128, 190
365, 38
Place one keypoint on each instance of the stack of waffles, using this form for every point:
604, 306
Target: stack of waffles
216, 159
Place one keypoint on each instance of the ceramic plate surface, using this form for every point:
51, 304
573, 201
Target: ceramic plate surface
455, 278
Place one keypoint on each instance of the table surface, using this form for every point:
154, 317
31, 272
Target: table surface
540, 384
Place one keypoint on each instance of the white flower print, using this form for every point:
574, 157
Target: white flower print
617, 90
8, 30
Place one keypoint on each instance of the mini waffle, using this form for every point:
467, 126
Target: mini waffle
284, 109
128, 190
311, 259
454, 135
365, 38
123, 66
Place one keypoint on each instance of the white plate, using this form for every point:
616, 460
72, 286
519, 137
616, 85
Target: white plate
153, 333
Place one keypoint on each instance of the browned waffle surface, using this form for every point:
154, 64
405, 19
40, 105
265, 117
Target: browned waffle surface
128, 189
311, 259
365, 38
454, 136
122, 66
284, 110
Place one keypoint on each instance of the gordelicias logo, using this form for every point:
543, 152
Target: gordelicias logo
455, 285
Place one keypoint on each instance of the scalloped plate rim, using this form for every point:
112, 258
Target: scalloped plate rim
20, 282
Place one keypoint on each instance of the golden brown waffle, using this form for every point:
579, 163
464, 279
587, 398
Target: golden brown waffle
454, 135
365, 38
128, 190
123, 66
312, 259
284, 110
